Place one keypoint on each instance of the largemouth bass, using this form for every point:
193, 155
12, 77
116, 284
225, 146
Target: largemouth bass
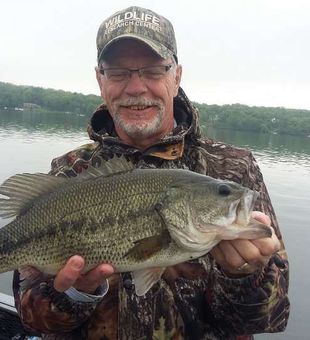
138, 220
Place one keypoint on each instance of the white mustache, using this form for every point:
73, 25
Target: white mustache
138, 101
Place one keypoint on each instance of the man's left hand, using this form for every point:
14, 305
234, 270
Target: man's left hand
239, 257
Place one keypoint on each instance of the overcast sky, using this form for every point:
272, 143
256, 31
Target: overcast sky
254, 52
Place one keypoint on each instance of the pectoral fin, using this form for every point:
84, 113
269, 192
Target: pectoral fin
144, 279
146, 247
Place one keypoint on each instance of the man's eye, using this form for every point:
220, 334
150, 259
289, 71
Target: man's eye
153, 72
117, 74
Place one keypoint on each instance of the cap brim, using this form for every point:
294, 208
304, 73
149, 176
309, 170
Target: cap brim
159, 49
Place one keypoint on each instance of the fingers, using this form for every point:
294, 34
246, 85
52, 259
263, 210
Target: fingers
67, 276
246, 255
219, 257
231, 268
70, 276
231, 254
90, 281
261, 217
247, 252
268, 246
233, 262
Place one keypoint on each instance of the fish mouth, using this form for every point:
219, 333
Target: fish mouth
245, 207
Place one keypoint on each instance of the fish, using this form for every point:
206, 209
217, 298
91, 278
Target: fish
138, 220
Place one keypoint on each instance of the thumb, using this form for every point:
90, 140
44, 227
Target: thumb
261, 217
67, 276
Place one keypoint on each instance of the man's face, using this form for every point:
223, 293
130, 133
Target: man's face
141, 107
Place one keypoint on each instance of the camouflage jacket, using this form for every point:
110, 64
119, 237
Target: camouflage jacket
193, 300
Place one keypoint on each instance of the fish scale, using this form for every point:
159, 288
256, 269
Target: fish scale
97, 199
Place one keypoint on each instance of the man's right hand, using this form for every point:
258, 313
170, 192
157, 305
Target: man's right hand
70, 276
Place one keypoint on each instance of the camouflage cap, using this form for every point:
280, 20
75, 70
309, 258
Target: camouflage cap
141, 24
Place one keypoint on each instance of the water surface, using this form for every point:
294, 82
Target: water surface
28, 143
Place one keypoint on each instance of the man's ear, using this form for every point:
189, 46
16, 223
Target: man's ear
178, 76
98, 76
99, 81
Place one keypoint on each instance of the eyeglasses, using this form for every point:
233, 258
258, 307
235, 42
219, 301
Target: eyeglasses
147, 73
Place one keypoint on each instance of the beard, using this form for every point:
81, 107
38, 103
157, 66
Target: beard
141, 129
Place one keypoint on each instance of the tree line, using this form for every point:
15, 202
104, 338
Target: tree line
236, 116
256, 118
19, 96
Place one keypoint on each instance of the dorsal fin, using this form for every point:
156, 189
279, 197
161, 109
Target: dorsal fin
112, 166
23, 189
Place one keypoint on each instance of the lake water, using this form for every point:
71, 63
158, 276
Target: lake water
29, 141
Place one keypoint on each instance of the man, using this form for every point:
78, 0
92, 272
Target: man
237, 290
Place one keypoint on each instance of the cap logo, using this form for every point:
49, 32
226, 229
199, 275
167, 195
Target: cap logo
133, 18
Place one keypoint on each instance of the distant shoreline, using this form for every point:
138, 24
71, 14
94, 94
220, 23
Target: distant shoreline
274, 120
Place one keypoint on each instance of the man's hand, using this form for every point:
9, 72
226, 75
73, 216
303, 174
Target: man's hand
239, 257
70, 276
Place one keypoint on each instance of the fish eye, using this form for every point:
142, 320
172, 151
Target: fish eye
224, 190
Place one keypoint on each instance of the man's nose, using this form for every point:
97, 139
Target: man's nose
135, 86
